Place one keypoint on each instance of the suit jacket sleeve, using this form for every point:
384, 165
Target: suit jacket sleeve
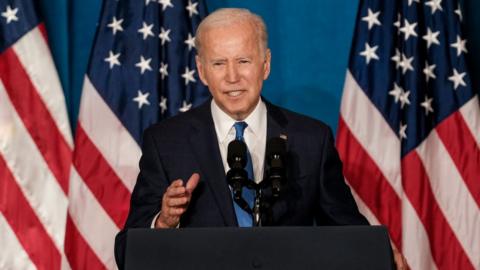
336, 203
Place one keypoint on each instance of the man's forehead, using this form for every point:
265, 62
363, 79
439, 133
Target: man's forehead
229, 34
231, 28
234, 40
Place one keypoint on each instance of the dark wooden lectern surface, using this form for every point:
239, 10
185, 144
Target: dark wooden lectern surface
339, 247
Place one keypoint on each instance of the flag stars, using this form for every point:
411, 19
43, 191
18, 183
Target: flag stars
398, 23
163, 70
144, 64
406, 63
400, 95
165, 4
458, 11
185, 106
10, 14
141, 99
190, 41
146, 30
116, 25
192, 8
372, 18
112, 59
435, 5
188, 75
403, 131
164, 35
460, 45
163, 104
397, 58
431, 37
410, 2
427, 105
369, 53
396, 92
457, 79
404, 98
408, 29
428, 71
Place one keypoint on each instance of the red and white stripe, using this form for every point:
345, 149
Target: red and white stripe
35, 157
14, 256
430, 199
105, 170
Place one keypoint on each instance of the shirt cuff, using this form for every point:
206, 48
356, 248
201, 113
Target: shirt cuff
152, 226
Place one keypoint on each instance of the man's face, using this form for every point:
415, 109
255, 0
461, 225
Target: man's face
233, 66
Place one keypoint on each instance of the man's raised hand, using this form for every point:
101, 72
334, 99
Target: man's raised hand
175, 202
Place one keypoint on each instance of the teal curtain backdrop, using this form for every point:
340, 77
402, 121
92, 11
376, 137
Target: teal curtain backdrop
310, 43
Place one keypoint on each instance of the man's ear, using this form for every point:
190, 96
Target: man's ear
200, 69
266, 64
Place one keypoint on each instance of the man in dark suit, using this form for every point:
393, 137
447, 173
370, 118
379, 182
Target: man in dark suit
233, 61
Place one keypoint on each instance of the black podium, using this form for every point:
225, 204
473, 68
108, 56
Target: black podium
339, 247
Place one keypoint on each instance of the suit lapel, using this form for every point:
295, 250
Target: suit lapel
203, 140
276, 121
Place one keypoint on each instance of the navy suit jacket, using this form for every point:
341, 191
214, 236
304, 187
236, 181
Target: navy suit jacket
177, 147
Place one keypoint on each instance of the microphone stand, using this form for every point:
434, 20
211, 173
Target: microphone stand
260, 205
256, 212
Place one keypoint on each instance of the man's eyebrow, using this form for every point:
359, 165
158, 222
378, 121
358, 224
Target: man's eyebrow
243, 57
217, 60
222, 59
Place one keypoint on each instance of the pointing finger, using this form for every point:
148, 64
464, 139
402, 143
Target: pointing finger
192, 182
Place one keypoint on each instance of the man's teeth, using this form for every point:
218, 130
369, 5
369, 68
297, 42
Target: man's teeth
234, 93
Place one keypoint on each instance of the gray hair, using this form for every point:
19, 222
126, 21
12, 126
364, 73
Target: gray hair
229, 16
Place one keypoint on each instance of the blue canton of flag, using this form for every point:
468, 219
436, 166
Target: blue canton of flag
21, 15
422, 62
143, 61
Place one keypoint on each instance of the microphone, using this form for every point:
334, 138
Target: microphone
276, 152
237, 154
237, 159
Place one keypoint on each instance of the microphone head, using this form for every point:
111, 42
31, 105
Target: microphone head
237, 154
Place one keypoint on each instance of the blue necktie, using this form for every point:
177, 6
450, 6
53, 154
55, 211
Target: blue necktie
244, 219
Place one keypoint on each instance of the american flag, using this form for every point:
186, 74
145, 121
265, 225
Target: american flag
141, 70
35, 144
409, 130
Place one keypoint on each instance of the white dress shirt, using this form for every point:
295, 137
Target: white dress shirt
255, 135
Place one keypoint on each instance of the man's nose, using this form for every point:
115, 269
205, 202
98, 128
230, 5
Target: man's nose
232, 73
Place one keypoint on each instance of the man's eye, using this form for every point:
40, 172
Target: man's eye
217, 64
244, 61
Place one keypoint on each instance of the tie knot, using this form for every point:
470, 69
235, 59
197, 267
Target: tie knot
239, 129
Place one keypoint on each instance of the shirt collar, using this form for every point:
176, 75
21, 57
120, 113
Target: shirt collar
224, 123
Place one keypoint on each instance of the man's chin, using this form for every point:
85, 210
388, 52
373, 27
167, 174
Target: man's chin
237, 114
238, 109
